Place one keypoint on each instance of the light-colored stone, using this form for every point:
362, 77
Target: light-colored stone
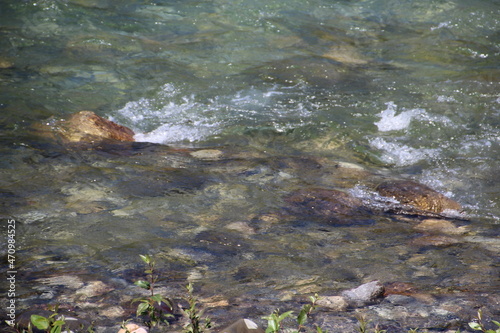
207, 154
335, 303
94, 288
68, 281
4, 63
241, 227
365, 293
441, 226
346, 54
133, 328
113, 312
435, 240
243, 326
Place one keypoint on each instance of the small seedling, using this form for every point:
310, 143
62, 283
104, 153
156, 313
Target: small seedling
194, 314
152, 306
478, 324
274, 320
51, 324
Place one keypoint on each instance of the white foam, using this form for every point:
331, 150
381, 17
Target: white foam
391, 122
171, 117
401, 154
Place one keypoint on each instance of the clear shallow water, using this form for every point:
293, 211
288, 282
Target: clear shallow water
404, 89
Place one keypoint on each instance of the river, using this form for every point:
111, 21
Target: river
235, 105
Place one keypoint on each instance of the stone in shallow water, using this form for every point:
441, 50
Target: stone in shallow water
335, 206
68, 281
441, 227
133, 328
435, 240
85, 127
92, 289
364, 294
243, 326
335, 303
422, 197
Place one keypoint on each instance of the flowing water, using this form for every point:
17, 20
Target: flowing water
235, 105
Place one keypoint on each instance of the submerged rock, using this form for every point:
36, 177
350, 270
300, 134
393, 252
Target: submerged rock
5, 63
328, 204
422, 197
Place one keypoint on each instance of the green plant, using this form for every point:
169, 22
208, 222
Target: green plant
275, 319
363, 325
362, 322
152, 306
194, 315
478, 324
51, 324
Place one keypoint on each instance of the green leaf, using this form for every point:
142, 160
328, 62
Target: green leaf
272, 326
496, 323
284, 315
59, 322
143, 284
56, 329
146, 258
189, 288
302, 317
475, 326
157, 298
40, 322
143, 308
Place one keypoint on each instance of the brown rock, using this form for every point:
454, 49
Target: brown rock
399, 288
422, 197
4, 63
86, 126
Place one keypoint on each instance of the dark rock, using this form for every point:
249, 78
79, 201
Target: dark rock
422, 197
335, 206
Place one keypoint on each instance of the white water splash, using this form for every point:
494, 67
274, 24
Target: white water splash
171, 117
401, 154
391, 122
